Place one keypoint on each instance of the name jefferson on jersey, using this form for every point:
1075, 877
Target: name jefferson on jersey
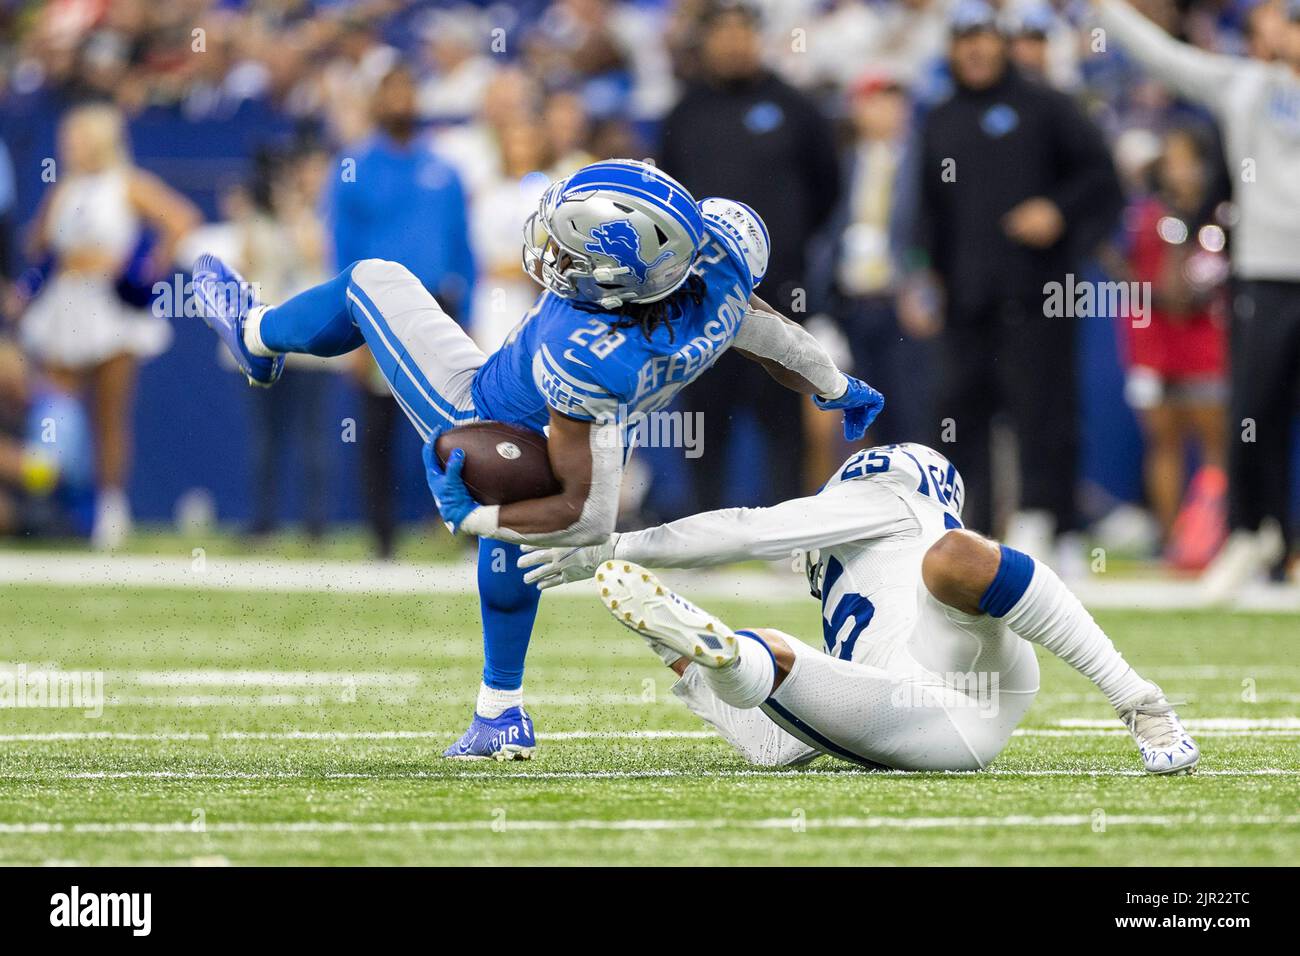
565, 357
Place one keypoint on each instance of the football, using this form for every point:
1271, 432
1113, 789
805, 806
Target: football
503, 463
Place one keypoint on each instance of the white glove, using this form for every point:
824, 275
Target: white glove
555, 566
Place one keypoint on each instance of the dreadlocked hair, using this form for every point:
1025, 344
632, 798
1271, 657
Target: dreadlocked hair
649, 316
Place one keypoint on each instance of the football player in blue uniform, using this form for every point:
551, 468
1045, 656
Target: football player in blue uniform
644, 289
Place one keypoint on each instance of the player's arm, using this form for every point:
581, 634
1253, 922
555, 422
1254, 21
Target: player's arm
788, 352
587, 460
794, 357
850, 511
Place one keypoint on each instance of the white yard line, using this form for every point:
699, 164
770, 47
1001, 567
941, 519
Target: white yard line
351, 577
219, 677
1208, 727
488, 775
192, 701
1205, 723
342, 694
793, 823
1121, 732
339, 736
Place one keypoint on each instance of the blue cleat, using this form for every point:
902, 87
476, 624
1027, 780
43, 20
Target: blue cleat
224, 299
508, 737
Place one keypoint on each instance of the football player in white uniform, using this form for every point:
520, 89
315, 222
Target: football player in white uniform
926, 663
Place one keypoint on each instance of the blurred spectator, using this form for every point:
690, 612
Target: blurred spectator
568, 128
474, 148
828, 44
45, 467
393, 197
91, 230
1258, 105
1176, 376
1043, 46
498, 215
456, 43
865, 274
742, 132
349, 80
283, 251
575, 43
8, 197
1266, 28
1015, 184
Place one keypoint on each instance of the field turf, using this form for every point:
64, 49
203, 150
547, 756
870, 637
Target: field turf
306, 729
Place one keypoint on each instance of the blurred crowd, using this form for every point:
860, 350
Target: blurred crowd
926, 168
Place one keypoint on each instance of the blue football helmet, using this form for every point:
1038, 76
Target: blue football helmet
615, 232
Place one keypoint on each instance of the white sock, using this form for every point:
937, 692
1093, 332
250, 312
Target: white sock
665, 653
493, 702
748, 680
253, 332
1049, 614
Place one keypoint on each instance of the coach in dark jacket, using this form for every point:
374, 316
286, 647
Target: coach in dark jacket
741, 132
1016, 188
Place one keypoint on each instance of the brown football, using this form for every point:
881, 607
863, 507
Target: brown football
503, 463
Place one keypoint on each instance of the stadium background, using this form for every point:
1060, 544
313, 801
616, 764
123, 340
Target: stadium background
200, 129
287, 704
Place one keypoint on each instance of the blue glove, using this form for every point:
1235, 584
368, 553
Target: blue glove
449, 492
861, 404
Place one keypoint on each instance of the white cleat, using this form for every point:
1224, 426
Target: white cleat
639, 601
1165, 745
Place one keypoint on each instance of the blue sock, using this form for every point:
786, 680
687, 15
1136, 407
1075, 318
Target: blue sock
314, 322
1015, 570
509, 607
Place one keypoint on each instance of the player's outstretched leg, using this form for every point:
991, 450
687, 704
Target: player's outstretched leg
673, 625
501, 728
857, 712
752, 732
314, 322
977, 576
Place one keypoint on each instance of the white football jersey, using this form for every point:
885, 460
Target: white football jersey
864, 535
869, 585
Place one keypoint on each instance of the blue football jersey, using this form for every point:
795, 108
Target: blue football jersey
565, 355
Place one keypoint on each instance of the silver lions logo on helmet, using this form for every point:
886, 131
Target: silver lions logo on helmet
621, 242
508, 450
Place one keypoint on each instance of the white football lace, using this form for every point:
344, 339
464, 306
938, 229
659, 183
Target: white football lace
1163, 730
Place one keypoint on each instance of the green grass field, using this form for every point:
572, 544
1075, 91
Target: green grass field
306, 729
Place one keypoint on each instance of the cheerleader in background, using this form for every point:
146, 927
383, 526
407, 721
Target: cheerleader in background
108, 230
